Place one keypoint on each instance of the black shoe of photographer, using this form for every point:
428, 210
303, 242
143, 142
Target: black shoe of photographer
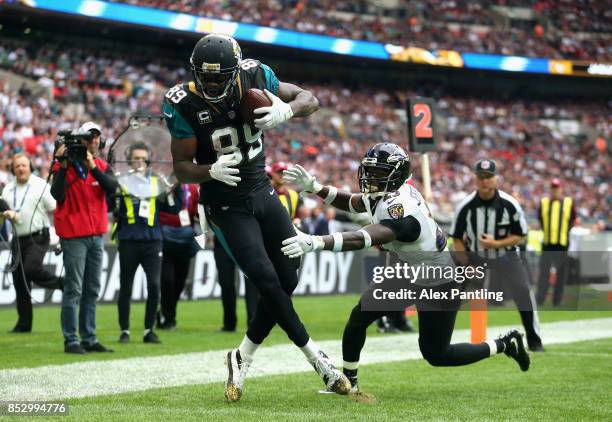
96, 347
151, 337
74, 349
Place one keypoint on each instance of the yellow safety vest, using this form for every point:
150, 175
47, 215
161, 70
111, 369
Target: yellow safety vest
556, 220
129, 204
290, 201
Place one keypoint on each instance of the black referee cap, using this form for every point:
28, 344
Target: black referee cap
486, 166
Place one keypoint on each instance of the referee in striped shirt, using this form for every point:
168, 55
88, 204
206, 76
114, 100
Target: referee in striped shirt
489, 224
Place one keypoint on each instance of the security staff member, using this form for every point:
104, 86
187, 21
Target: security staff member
490, 224
557, 216
30, 200
226, 266
140, 238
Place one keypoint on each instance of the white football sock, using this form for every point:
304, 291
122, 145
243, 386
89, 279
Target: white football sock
147, 331
247, 348
310, 350
350, 365
492, 347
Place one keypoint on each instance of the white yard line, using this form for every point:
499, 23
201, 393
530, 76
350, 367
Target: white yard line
96, 378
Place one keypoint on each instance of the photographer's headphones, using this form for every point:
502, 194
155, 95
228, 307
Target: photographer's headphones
135, 146
90, 126
19, 155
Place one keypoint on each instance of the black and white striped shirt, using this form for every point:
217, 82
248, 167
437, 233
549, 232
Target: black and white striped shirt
500, 217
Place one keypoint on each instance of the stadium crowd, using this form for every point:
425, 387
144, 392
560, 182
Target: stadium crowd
534, 140
474, 26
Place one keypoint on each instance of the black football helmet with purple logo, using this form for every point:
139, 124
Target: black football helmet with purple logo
385, 168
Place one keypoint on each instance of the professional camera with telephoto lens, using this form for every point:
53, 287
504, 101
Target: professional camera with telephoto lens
76, 150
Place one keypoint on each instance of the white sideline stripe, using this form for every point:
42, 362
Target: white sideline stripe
585, 354
96, 378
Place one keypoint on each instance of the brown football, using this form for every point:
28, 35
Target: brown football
251, 100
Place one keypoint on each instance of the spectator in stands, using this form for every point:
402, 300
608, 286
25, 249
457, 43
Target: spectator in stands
80, 189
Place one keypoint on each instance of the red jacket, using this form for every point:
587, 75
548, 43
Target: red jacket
84, 211
172, 219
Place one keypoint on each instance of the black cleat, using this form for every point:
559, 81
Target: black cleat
124, 338
514, 348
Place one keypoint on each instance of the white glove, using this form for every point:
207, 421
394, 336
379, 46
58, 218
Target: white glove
301, 243
301, 179
276, 114
223, 170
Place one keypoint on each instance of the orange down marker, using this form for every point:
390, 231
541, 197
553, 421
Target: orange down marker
478, 320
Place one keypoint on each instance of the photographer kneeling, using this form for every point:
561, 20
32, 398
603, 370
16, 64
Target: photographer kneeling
80, 184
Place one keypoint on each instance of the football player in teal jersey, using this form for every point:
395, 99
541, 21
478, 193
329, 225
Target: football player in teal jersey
236, 197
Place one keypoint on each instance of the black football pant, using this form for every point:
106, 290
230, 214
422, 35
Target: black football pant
174, 271
226, 269
31, 250
131, 254
252, 232
435, 332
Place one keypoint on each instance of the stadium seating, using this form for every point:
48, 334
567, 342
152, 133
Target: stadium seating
533, 140
548, 29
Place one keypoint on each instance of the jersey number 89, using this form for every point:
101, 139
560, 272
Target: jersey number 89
227, 140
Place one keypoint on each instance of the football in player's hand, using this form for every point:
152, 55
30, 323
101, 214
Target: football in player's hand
253, 99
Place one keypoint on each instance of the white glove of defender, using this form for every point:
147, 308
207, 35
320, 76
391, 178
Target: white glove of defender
301, 179
301, 243
223, 170
276, 114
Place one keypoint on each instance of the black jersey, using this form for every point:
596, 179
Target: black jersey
220, 129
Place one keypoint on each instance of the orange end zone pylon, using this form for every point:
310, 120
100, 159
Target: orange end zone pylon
478, 320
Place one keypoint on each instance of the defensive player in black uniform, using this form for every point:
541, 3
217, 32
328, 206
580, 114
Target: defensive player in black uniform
236, 197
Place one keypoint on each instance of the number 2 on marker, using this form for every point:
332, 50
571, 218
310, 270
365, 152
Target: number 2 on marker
423, 127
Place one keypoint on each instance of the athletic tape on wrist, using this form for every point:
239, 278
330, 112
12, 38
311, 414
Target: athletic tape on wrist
338, 241
351, 208
331, 194
367, 240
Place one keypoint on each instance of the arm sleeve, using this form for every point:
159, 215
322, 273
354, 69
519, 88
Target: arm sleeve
106, 180
272, 81
406, 229
58, 186
177, 125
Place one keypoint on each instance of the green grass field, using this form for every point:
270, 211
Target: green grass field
569, 382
